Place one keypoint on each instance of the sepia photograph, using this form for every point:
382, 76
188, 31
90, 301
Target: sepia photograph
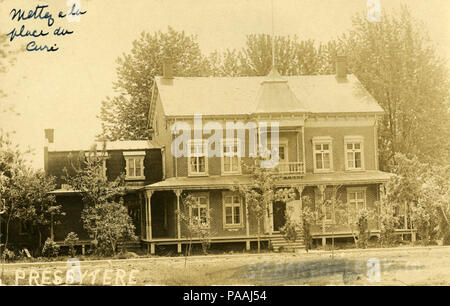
212, 145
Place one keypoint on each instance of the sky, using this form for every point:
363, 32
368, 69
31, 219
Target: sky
64, 89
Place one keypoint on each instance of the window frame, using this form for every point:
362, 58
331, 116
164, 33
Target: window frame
333, 208
353, 140
205, 156
236, 144
135, 156
104, 156
356, 190
198, 196
232, 205
321, 141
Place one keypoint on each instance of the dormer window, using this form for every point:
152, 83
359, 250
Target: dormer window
134, 168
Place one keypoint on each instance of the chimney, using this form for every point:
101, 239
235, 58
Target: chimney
49, 138
167, 69
341, 66
49, 135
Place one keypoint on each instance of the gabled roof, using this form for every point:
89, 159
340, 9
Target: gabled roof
186, 96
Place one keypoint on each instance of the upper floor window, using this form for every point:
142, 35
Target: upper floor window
354, 153
98, 161
232, 210
199, 212
322, 154
134, 165
198, 161
231, 161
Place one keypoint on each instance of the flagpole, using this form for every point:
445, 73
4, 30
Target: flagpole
273, 40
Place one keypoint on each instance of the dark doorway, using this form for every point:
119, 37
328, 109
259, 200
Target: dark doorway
279, 216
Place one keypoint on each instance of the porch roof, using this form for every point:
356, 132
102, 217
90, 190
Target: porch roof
309, 179
347, 178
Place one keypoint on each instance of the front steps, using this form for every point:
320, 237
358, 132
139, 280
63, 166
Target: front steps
280, 244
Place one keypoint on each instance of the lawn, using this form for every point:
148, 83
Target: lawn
396, 266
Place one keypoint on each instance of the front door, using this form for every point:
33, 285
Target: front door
279, 215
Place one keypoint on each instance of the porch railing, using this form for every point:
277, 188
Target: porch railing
291, 168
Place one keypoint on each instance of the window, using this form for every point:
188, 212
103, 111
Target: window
232, 210
198, 162
134, 165
326, 203
282, 153
101, 158
354, 153
356, 197
200, 210
231, 161
24, 228
322, 154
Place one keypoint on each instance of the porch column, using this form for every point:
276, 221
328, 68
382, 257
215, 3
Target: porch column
52, 231
178, 194
247, 226
303, 149
299, 207
382, 194
148, 202
271, 219
321, 199
142, 209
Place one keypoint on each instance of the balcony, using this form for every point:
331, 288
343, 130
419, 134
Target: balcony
291, 169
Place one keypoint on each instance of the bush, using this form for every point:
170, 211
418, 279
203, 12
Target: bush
71, 240
363, 228
110, 224
50, 249
8, 255
388, 223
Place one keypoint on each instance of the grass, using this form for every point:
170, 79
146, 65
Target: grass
398, 266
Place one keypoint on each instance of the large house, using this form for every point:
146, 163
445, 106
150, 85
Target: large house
327, 140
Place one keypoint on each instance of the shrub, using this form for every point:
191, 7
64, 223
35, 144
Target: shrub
110, 224
290, 230
388, 223
363, 216
308, 219
8, 255
71, 240
50, 249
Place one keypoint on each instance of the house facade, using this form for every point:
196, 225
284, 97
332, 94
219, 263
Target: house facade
139, 162
319, 132
327, 140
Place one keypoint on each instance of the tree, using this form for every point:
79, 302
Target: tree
86, 176
422, 190
24, 192
292, 57
125, 115
197, 226
110, 223
396, 62
105, 217
261, 193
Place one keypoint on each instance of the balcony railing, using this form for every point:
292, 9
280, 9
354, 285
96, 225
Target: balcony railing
289, 169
